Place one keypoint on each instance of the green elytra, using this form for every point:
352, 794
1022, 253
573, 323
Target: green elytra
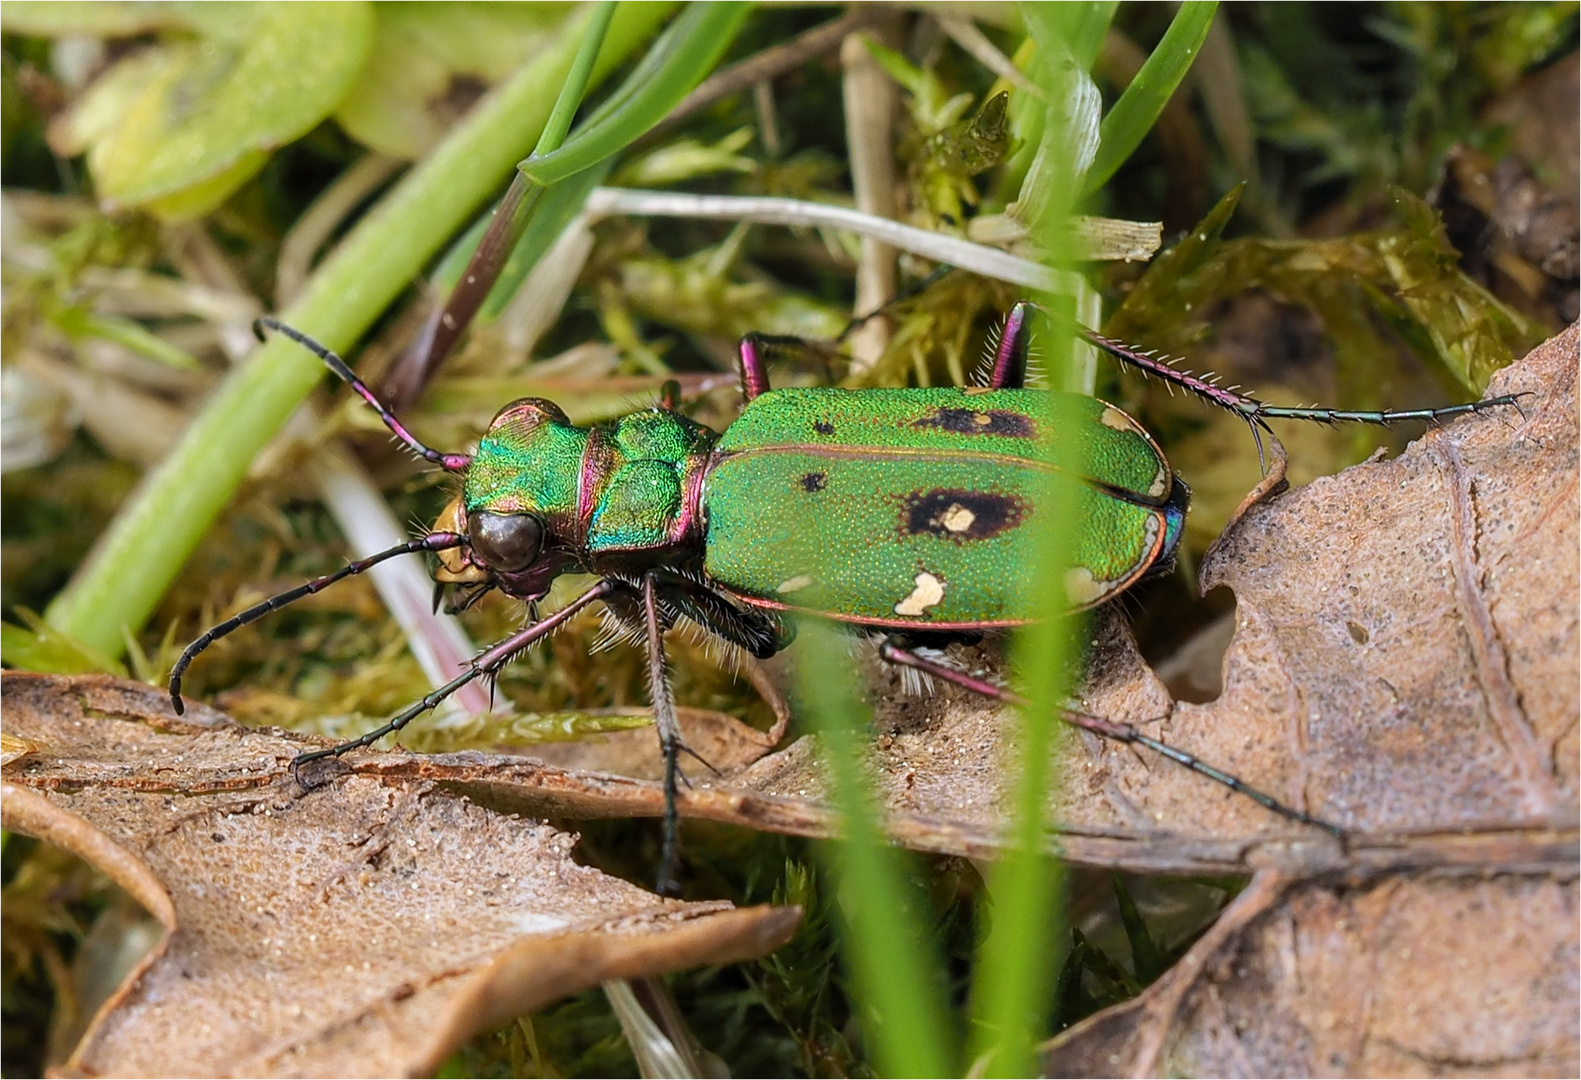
920, 511
904, 511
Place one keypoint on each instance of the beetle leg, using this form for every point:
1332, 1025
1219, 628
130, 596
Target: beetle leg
1010, 357
670, 395
895, 653
669, 737
487, 662
431, 542
1010, 369
754, 366
755, 630
759, 633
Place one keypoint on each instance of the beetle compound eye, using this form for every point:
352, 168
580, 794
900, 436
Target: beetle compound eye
505, 542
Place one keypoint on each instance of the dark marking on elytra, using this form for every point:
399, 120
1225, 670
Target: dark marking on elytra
823, 427
979, 422
960, 515
814, 481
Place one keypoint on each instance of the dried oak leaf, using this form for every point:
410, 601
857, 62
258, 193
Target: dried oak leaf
1406, 975
1453, 707
364, 927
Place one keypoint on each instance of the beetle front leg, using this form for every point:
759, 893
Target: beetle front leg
487, 662
895, 653
669, 728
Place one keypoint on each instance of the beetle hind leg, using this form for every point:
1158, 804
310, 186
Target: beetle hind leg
892, 651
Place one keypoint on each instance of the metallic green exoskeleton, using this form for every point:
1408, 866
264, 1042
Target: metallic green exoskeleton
917, 509
911, 512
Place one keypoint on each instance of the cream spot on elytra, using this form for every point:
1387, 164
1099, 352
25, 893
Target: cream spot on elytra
1150, 530
1116, 419
928, 592
1082, 588
957, 519
800, 581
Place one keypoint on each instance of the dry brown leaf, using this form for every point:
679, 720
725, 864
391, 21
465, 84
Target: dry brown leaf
1411, 975
364, 927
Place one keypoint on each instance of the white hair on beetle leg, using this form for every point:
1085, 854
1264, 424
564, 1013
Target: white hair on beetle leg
985, 367
723, 653
914, 683
613, 630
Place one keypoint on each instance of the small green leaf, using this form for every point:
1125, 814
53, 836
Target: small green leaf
180, 126
1068, 989
1134, 115
686, 159
1147, 960
431, 60
40, 647
911, 78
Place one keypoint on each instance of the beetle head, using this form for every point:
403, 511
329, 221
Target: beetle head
518, 505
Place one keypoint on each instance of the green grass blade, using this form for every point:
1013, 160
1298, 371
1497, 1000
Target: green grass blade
687, 52
1139, 106
157, 530
889, 951
1082, 26
1015, 975
505, 227
1015, 972
576, 80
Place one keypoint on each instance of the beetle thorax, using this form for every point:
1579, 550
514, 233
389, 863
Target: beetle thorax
617, 497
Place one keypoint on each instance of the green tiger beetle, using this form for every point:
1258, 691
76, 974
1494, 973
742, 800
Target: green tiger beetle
905, 512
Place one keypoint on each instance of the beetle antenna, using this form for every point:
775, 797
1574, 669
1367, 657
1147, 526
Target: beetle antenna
448, 462
431, 542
